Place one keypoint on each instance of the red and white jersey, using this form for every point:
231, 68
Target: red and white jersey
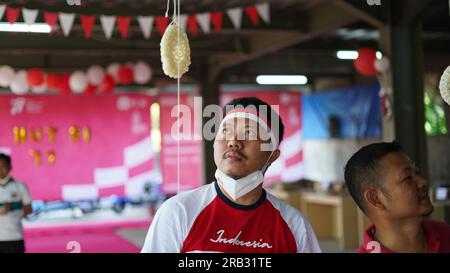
205, 220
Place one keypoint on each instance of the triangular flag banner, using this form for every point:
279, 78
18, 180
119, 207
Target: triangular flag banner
29, 15
2, 11
204, 20
264, 12
88, 23
216, 19
66, 22
183, 21
235, 17
146, 25
123, 24
162, 23
252, 14
108, 22
12, 14
51, 18
192, 24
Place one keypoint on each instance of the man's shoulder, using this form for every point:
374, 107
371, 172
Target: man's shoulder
17, 181
191, 197
440, 227
286, 210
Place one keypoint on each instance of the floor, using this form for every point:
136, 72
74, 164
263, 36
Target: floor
99, 232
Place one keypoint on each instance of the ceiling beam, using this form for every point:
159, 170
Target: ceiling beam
361, 14
410, 10
319, 20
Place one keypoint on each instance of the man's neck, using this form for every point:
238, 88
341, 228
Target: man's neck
248, 199
4, 180
402, 235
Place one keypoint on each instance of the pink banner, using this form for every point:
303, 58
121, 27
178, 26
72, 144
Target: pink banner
190, 143
78, 147
289, 166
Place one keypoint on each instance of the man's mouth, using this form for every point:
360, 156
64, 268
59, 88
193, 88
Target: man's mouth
234, 155
423, 195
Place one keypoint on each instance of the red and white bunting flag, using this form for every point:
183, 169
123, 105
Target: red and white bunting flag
192, 24
87, 21
51, 18
2, 11
252, 14
264, 11
29, 15
146, 25
162, 23
12, 14
66, 22
183, 21
204, 20
216, 19
107, 22
123, 24
235, 17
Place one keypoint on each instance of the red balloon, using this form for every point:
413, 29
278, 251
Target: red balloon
125, 74
64, 87
35, 77
90, 89
365, 63
107, 85
52, 81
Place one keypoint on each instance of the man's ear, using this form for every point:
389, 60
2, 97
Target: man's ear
373, 199
274, 157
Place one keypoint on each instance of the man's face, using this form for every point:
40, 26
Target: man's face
237, 148
4, 169
407, 192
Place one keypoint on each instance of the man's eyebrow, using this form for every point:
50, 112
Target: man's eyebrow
406, 169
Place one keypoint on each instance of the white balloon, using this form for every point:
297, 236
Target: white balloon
78, 81
382, 65
39, 89
96, 74
142, 73
6, 75
19, 84
113, 70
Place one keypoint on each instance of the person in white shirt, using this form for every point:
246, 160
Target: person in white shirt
234, 214
15, 203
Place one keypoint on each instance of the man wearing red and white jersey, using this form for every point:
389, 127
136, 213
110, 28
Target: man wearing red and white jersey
387, 186
234, 213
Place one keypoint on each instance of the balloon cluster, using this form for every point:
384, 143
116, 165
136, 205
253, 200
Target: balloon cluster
368, 64
95, 79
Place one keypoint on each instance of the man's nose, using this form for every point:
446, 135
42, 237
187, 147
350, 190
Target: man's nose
421, 182
234, 144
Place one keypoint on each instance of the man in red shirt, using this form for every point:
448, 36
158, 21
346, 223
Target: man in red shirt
387, 187
234, 214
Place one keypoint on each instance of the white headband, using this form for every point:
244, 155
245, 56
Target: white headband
244, 113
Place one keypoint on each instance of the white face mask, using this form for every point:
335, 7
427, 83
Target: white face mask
236, 188
5, 180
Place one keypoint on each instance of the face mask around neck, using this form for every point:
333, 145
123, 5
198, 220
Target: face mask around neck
236, 188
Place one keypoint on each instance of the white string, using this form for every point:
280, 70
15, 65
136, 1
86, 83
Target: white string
177, 19
174, 10
167, 9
